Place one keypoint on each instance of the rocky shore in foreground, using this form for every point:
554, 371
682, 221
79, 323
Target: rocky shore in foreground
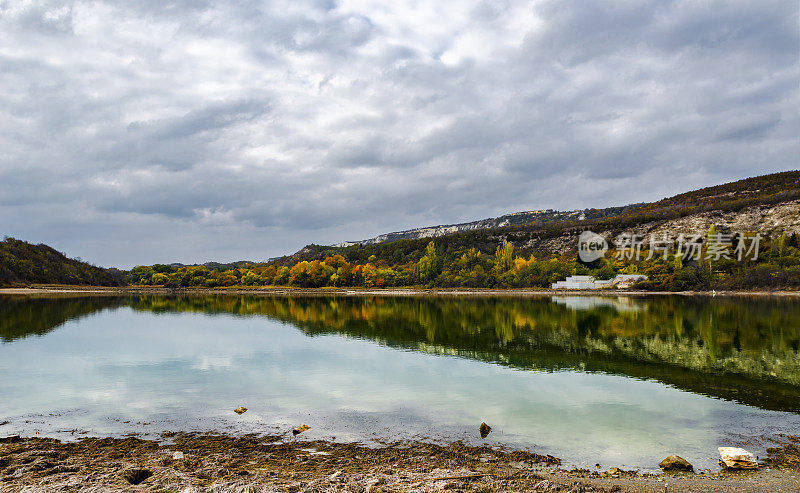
212, 462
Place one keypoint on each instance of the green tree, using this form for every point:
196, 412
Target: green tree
282, 277
159, 278
504, 256
428, 264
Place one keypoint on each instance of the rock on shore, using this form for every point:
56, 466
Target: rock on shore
737, 458
675, 463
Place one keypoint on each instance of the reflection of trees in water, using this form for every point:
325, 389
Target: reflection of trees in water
22, 316
758, 337
739, 348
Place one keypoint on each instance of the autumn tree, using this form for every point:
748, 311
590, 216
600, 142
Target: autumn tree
427, 266
504, 256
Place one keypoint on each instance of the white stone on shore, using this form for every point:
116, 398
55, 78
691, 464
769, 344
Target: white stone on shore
737, 458
177, 455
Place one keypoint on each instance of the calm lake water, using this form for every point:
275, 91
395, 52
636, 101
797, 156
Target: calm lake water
613, 380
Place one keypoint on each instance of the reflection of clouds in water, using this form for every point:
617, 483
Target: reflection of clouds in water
213, 363
118, 392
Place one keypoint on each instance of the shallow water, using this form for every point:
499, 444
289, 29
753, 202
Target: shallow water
618, 381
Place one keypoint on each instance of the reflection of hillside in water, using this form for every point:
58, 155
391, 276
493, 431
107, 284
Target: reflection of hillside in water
736, 348
23, 316
744, 349
700, 337
756, 337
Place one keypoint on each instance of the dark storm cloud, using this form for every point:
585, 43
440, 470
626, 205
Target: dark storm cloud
189, 130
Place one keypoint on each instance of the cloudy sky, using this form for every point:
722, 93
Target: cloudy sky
158, 131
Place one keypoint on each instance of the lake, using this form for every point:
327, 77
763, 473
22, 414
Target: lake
619, 381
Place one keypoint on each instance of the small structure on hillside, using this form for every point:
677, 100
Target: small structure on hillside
590, 282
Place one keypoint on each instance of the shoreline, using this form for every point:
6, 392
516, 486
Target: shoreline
410, 291
214, 461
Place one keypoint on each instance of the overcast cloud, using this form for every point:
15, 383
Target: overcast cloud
154, 131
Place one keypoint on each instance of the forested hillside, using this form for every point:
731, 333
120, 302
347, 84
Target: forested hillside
22, 263
729, 197
531, 255
535, 255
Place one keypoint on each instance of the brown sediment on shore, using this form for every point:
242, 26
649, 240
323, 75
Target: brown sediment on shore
787, 455
331, 291
213, 462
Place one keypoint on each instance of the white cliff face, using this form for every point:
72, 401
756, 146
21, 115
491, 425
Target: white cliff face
516, 218
774, 220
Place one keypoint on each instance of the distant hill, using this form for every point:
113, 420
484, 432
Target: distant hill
526, 218
216, 265
23, 263
517, 218
534, 249
732, 196
554, 231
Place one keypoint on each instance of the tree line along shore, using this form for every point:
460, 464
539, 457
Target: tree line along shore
777, 268
439, 265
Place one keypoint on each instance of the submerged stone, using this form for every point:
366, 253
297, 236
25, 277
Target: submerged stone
240, 410
675, 463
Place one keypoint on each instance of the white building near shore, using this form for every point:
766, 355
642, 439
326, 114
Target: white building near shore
590, 282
